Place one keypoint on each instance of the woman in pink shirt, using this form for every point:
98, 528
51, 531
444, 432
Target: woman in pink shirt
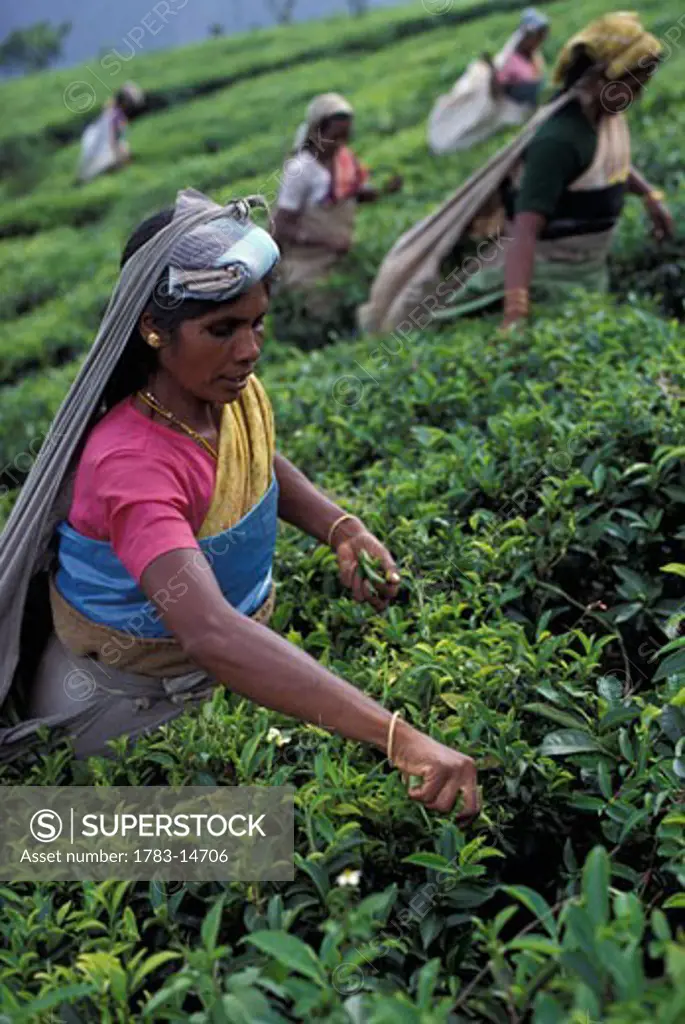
163, 585
492, 93
519, 73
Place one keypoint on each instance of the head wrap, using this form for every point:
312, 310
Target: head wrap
328, 104
220, 260
533, 21
133, 93
618, 39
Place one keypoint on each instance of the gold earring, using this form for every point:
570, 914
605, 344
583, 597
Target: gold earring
154, 340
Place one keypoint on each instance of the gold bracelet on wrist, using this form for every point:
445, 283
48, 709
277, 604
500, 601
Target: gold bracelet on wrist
391, 733
517, 296
336, 524
516, 300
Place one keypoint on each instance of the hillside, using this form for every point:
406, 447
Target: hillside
532, 491
133, 24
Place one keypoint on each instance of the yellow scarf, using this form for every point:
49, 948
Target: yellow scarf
247, 445
618, 39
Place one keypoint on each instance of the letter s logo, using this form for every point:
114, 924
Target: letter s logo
46, 826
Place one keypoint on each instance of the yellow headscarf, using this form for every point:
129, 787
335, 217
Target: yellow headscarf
618, 39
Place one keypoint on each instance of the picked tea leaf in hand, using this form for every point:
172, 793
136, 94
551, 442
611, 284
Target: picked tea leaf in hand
371, 570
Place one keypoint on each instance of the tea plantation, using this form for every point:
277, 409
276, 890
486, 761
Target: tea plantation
532, 489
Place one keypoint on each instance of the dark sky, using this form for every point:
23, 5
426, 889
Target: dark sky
105, 24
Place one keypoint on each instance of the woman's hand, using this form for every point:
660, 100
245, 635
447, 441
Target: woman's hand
349, 550
393, 184
510, 321
445, 773
516, 309
662, 221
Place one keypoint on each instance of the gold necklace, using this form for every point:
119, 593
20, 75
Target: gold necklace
151, 401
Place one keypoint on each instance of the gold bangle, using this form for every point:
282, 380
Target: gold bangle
655, 194
517, 300
391, 733
336, 524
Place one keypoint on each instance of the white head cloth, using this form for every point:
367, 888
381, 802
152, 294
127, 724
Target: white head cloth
328, 104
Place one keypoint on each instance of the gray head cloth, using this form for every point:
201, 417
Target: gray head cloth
222, 259
532, 20
202, 237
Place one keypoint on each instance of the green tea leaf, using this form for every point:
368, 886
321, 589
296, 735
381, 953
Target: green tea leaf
152, 963
579, 924
64, 994
212, 923
290, 951
536, 904
634, 584
671, 666
676, 568
316, 872
581, 965
625, 612
596, 876
604, 779
556, 715
619, 964
568, 741
433, 861
429, 928
535, 944
676, 901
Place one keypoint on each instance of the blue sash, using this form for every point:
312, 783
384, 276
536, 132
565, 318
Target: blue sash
94, 581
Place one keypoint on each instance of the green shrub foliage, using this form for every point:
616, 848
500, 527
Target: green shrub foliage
532, 490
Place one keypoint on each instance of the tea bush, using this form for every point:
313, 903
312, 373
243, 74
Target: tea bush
531, 489
531, 498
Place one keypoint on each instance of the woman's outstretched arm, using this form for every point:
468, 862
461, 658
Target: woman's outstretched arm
252, 660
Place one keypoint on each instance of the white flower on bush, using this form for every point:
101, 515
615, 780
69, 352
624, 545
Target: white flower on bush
349, 877
275, 735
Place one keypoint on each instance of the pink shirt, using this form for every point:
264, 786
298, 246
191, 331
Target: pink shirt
141, 486
518, 69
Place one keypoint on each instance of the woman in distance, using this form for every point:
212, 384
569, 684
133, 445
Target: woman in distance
322, 184
492, 93
103, 145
